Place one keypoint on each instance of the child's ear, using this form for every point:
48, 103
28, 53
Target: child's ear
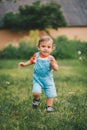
38, 48
54, 47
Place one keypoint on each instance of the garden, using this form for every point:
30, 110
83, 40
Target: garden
16, 112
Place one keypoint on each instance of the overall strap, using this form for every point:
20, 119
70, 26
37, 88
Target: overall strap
49, 57
37, 55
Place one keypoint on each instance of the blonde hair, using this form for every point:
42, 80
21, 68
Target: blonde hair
45, 38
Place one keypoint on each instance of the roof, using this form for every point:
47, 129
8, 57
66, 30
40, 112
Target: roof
75, 11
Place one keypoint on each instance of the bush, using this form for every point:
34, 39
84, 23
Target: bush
25, 50
65, 49
69, 48
9, 52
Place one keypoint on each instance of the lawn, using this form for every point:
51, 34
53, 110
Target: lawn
16, 112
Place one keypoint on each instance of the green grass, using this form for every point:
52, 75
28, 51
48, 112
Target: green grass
70, 105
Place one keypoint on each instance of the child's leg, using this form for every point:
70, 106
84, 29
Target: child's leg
49, 101
36, 100
36, 95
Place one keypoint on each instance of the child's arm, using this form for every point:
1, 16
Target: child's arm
30, 62
23, 64
54, 64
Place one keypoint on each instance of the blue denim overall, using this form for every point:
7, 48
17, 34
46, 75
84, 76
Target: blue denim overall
43, 77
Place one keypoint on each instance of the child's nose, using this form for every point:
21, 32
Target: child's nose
46, 48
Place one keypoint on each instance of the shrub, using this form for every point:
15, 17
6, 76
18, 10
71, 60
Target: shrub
9, 52
64, 49
25, 50
69, 48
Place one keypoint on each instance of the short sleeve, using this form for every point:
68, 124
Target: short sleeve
33, 59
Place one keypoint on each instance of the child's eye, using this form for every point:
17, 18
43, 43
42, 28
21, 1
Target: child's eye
49, 47
43, 46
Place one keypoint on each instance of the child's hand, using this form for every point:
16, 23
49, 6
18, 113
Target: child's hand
52, 60
21, 64
53, 63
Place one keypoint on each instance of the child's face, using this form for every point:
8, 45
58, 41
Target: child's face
45, 47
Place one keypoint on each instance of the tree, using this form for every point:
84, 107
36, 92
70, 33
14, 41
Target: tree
36, 16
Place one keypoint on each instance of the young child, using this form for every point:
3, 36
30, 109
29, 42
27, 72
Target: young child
43, 76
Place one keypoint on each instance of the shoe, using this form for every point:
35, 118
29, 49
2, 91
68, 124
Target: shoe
35, 103
49, 109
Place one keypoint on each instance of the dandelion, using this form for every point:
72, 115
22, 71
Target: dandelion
79, 52
80, 58
7, 82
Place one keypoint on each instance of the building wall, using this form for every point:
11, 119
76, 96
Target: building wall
78, 33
